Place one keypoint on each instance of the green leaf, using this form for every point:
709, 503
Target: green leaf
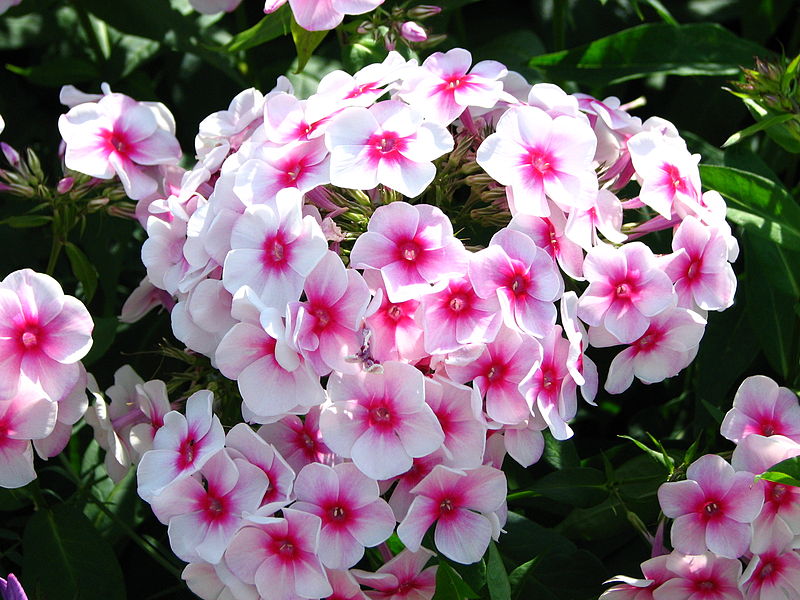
83, 270
267, 29
660, 455
496, 575
519, 577
449, 585
305, 42
652, 48
756, 127
65, 558
525, 538
786, 472
26, 221
58, 71
780, 135
758, 204
581, 486
560, 454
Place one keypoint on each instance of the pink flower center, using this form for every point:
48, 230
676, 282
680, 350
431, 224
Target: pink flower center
457, 303
454, 82
286, 549
446, 506
323, 317
337, 513
540, 161
768, 428
395, 312
386, 143
495, 372
706, 585
380, 416
673, 176
648, 341
119, 141
274, 251
693, 271
624, 290
186, 453
29, 339
766, 570
308, 442
409, 250
711, 508
519, 284
778, 493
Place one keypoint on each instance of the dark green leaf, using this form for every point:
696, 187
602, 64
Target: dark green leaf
759, 204
694, 49
660, 456
305, 42
26, 221
779, 134
786, 472
560, 454
267, 29
525, 539
519, 577
756, 127
581, 486
105, 330
59, 71
449, 585
496, 575
65, 558
83, 270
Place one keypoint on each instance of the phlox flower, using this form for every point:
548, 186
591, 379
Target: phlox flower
655, 573
280, 557
412, 246
774, 571
298, 441
404, 577
321, 15
626, 289
460, 503
548, 234
401, 497
345, 586
388, 143
670, 176
581, 368
497, 373
352, 514
523, 278
43, 334
273, 249
712, 508
117, 135
444, 85
602, 214
761, 406
182, 446
25, 415
325, 325
396, 327
699, 267
701, 577
667, 346
202, 319
205, 510
216, 582
456, 315
380, 420
289, 121
365, 86
523, 442
458, 410
780, 515
142, 300
152, 400
272, 378
538, 156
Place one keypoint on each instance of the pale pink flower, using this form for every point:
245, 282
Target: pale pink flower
216, 582
204, 511
380, 419
320, 15
345, 586
626, 289
602, 214
713, 508
325, 325
182, 446
288, 121
404, 577
280, 557
413, 31
43, 334
701, 577
581, 368
117, 135
353, 516
548, 234
538, 156
458, 410
761, 407
498, 372
340, 89
26, 414
524, 279
524, 442
774, 571
273, 249
460, 503
655, 572
699, 267
413, 246
670, 176
396, 326
667, 346
388, 143
299, 441
444, 85
142, 300
456, 316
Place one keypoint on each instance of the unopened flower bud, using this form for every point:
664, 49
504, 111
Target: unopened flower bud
365, 27
424, 11
413, 32
390, 41
12, 156
65, 185
96, 204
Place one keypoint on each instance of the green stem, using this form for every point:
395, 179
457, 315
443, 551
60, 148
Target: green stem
55, 251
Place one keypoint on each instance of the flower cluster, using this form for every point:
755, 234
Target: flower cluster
43, 336
724, 515
390, 366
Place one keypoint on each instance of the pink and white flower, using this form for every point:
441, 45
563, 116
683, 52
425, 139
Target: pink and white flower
701, 577
321, 15
761, 407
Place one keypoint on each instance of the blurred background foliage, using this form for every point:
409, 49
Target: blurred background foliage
584, 512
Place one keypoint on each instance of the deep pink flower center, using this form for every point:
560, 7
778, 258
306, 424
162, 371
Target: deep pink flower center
457, 303
495, 372
119, 141
454, 81
286, 549
309, 442
409, 250
215, 507
395, 312
694, 269
623, 290
706, 585
322, 315
186, 453
380, 416
778, 493
386, 143
30, 338
766, 570
649, 340
711, 508
274, 251
673, 176
446, 506
519, 284
337, 513
540, 161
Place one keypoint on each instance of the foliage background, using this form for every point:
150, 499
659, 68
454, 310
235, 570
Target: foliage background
578, 515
